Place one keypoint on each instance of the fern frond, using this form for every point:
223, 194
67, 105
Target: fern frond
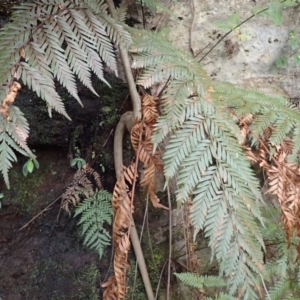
222, 296
200, 281
205, 154
95, 211
280, 289
48, 25
82, 185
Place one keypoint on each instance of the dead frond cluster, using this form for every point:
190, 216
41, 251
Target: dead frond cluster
141, 135
123, 209
141, 138
283, 176
10, 98
82, 185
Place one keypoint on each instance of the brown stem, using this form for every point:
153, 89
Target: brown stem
126, 123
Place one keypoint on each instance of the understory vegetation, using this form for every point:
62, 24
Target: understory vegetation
217, 133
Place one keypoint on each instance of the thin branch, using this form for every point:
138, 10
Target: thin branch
192, 27
135, 98
225, 35
44, 210
170, 242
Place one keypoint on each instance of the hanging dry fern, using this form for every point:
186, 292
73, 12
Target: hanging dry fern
283, 177
123, 209
10, 98
82, 185
141, 138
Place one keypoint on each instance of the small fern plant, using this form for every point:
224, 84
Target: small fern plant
94, 212
50, 41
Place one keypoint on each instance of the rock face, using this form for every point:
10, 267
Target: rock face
58, 130
246, 56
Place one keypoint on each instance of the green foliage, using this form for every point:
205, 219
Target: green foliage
95, 211
200, 281
61, 39
52, 40
78, 162
205, 155
155, 5
29, 166
294, 42
276, 7
229, 24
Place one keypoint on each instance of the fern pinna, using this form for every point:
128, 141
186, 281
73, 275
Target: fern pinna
95, 211
206, 152
51, 40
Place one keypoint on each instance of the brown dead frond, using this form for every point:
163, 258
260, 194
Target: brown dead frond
141, 138
10, 98
283, 177
123, 209
82, 185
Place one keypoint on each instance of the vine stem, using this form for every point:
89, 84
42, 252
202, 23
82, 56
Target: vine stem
225, 35
135, 98
126, 123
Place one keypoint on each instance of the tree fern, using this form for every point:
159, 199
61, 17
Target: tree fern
95, 211
52, 40
205, 154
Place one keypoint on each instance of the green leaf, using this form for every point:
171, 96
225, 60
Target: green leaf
25, 170
282, 62
231, 23
36, 163
275, 12
297, 60
73, 162
30, 166
79, 164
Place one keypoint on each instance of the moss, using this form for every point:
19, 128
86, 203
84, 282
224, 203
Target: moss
155, 258
55, 279
33, 192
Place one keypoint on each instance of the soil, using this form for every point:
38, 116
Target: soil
46, 259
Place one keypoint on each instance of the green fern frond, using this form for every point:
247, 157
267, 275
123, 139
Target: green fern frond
95, 211
154, 5
222, 296
122, 12
200, 281
280, 289
13, 136
205, 155
268, 110
52, 40
58, 39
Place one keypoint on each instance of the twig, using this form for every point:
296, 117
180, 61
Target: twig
263, 282
170, 242
108, 138
141, 236
225, 35
44, 210
192, 28
159, 280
